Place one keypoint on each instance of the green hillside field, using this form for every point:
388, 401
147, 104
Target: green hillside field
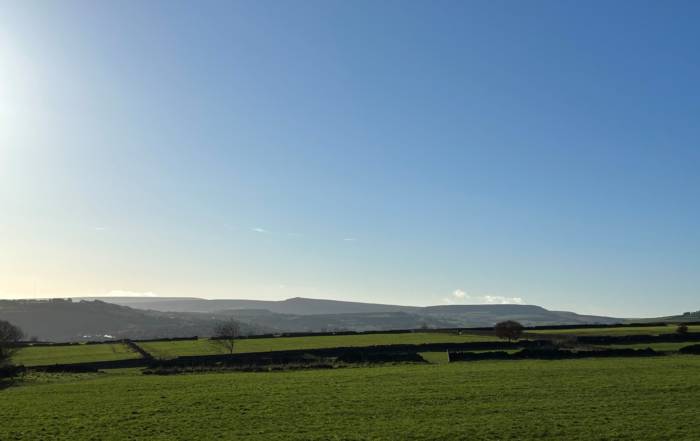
80, 353
171, 349
624, 330
591, 399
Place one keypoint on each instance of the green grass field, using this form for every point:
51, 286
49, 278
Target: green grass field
633, 330
592, 399
46, 355
170, 349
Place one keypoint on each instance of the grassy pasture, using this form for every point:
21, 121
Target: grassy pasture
591, 399
632, 330
46, 355
171, 349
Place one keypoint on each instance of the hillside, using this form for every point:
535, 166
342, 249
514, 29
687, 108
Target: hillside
141, 318
474, 315
316, 314
64, 320
686, 317
296, 305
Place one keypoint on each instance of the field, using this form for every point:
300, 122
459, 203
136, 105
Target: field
592, 399
170, 349
46, 355
632, 330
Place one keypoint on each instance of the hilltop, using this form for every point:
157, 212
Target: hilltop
126, 317
135, 317
461, 315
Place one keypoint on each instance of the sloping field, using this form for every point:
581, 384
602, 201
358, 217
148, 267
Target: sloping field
593, 399
170, 349
632, 330
46, 355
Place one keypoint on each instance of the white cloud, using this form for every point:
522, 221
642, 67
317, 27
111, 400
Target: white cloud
259, 230
461, 296
349, 239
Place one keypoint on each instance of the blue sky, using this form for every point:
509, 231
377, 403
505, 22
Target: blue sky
419, 153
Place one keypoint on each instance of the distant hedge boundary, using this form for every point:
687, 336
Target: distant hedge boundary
639, 338
294, 355
692, 349
92, 366
138, 349
550, 354
352, 354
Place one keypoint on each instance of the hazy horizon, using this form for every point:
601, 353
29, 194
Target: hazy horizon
453, 301
402, 153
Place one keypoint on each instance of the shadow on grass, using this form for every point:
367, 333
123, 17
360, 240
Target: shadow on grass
6, 383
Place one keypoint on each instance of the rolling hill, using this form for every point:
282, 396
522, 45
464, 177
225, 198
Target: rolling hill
65, 320
142, 318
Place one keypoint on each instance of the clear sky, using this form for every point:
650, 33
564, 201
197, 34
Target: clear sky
423, 152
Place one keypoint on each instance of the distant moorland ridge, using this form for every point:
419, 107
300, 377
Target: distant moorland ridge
84, 319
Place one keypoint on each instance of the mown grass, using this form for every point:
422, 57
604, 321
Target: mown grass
47, 355
171, 349
632, 330
574, 400
435, 357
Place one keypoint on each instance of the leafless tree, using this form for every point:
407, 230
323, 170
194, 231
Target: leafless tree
10, 335
509, 329
226, 333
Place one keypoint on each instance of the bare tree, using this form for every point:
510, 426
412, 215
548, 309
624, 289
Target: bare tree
509, 329
226, 333
10, 335
682, 328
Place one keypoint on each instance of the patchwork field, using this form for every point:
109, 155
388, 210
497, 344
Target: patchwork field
592, 399
170, 349
46, 355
